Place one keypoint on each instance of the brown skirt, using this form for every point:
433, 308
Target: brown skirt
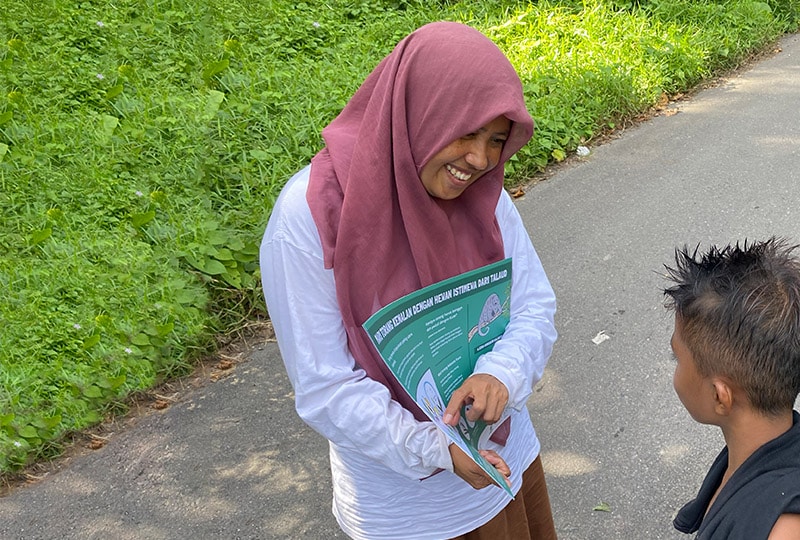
527, 517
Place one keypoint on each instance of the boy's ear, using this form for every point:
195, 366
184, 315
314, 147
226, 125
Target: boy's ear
723, 396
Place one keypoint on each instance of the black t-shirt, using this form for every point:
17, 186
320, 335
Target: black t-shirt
764, 487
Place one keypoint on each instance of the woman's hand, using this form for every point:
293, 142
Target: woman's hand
466, 468
485, 394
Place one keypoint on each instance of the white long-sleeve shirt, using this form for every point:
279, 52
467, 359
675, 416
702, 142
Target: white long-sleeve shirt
381, 456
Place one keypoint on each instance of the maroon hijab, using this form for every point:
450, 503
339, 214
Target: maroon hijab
382, 233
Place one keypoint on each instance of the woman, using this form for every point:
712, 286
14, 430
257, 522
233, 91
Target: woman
409, 191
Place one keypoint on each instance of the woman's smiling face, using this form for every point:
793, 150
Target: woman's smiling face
462, 162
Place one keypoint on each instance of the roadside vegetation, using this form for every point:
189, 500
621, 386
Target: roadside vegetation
143, 143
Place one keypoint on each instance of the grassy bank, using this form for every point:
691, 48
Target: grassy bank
142, 143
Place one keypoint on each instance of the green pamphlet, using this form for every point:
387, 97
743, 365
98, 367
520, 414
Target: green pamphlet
431, 339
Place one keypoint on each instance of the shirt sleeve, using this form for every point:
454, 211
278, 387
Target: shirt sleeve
332, 395
519, 358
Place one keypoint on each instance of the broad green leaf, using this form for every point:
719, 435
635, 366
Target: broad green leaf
92, 417
233, 279
37, 237
3, 151
28, 432
108, 124
251, 248
48, 422
215, 68
139, 220
194, 262
213, 268
235, 244
224, 254
244, 258
164, 329
111, 383
6, 117
248, 281
217, 238
91, 341
114, 91
140, 339
215, 99
93, 392
117, 381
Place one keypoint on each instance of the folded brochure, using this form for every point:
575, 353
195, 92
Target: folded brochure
431, 339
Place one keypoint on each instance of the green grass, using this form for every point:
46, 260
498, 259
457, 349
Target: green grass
143, 142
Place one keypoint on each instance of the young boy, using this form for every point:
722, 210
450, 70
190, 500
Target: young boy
737, 347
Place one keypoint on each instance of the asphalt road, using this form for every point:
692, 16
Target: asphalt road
230, 459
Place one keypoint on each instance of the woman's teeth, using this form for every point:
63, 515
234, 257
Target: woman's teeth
458, 174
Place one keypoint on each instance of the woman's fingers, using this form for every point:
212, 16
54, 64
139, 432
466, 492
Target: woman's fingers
485, 394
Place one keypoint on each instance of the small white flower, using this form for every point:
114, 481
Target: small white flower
139, 193
17, 444
100, 24
128, 350
76, 326
315, 24
100, 76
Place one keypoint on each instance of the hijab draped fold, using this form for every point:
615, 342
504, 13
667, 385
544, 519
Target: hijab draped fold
382, 234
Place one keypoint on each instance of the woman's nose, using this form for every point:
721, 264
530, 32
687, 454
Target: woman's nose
478, 155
